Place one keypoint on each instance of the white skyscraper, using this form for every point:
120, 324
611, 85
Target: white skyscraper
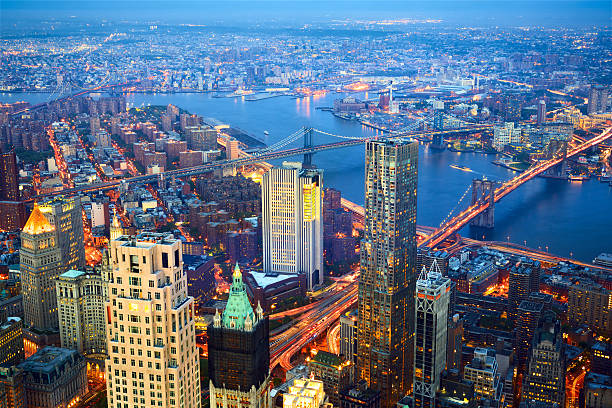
431, 314
152, 355
292, 221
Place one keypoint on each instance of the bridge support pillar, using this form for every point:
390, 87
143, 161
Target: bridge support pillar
483, 191
307, 145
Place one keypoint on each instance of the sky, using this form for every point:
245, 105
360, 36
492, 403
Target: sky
459, 12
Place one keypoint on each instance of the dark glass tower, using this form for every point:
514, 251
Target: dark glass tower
239, 351
385, 331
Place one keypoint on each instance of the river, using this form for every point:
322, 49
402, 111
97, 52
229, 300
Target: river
565, 218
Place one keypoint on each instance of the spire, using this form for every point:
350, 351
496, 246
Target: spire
116, 223
37, 223
238, 311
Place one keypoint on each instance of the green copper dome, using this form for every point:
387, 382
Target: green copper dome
238, 309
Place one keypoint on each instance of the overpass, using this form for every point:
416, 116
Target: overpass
463, 218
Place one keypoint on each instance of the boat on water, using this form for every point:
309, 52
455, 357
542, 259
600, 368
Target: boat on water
579, 177
266, 132
460, 167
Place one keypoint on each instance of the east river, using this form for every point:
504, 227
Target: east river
566, 218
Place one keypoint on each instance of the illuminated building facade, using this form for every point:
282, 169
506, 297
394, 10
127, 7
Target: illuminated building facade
67, 217
483, 373
388, 259
54, 377
431, 319
292, 222
304, 393
545, 378
335, 372
152, 356
239, 352
348, 335
523, 279
11, 341
40, 263
80, 307
591, 304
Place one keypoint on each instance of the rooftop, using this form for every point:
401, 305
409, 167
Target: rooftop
37, 223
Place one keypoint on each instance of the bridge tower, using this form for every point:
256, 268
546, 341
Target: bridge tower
307, 145
555, 149
482, 192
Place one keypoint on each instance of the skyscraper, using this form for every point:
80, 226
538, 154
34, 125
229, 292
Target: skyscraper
598, 99
292, 222
541, 112
152, 356
9, 177
12, 211
591, 304
432, 296
545, 379
529, 314
66, 215
385, 331
239, 352
80, 305
524, 278
40, 263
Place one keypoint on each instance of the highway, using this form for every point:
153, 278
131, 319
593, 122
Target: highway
311, 325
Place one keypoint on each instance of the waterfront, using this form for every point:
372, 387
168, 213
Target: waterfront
571, 217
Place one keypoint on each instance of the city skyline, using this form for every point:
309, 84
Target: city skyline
305, 204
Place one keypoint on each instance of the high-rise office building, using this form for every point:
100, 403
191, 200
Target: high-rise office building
292, 222
431, 319
12, 211
598, 99
541, 112
66, 215
529, 314
545, 378
11, 340
348, 335
523, 279
239, 352
591, 304
9, 177
40, 263
152, 356
454, 341
483, 373
80, 307
385, 332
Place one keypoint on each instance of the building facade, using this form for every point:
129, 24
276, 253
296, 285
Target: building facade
11, 341
292, 222
431, 319
348, 335
483, 372
80, 306
335, 372
545, 378
591, 304
239, 352
388, 259
40, 262
54, 378
67, 217
152, 356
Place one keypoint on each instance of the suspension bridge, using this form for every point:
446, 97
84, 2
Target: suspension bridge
307, 150
454, 224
